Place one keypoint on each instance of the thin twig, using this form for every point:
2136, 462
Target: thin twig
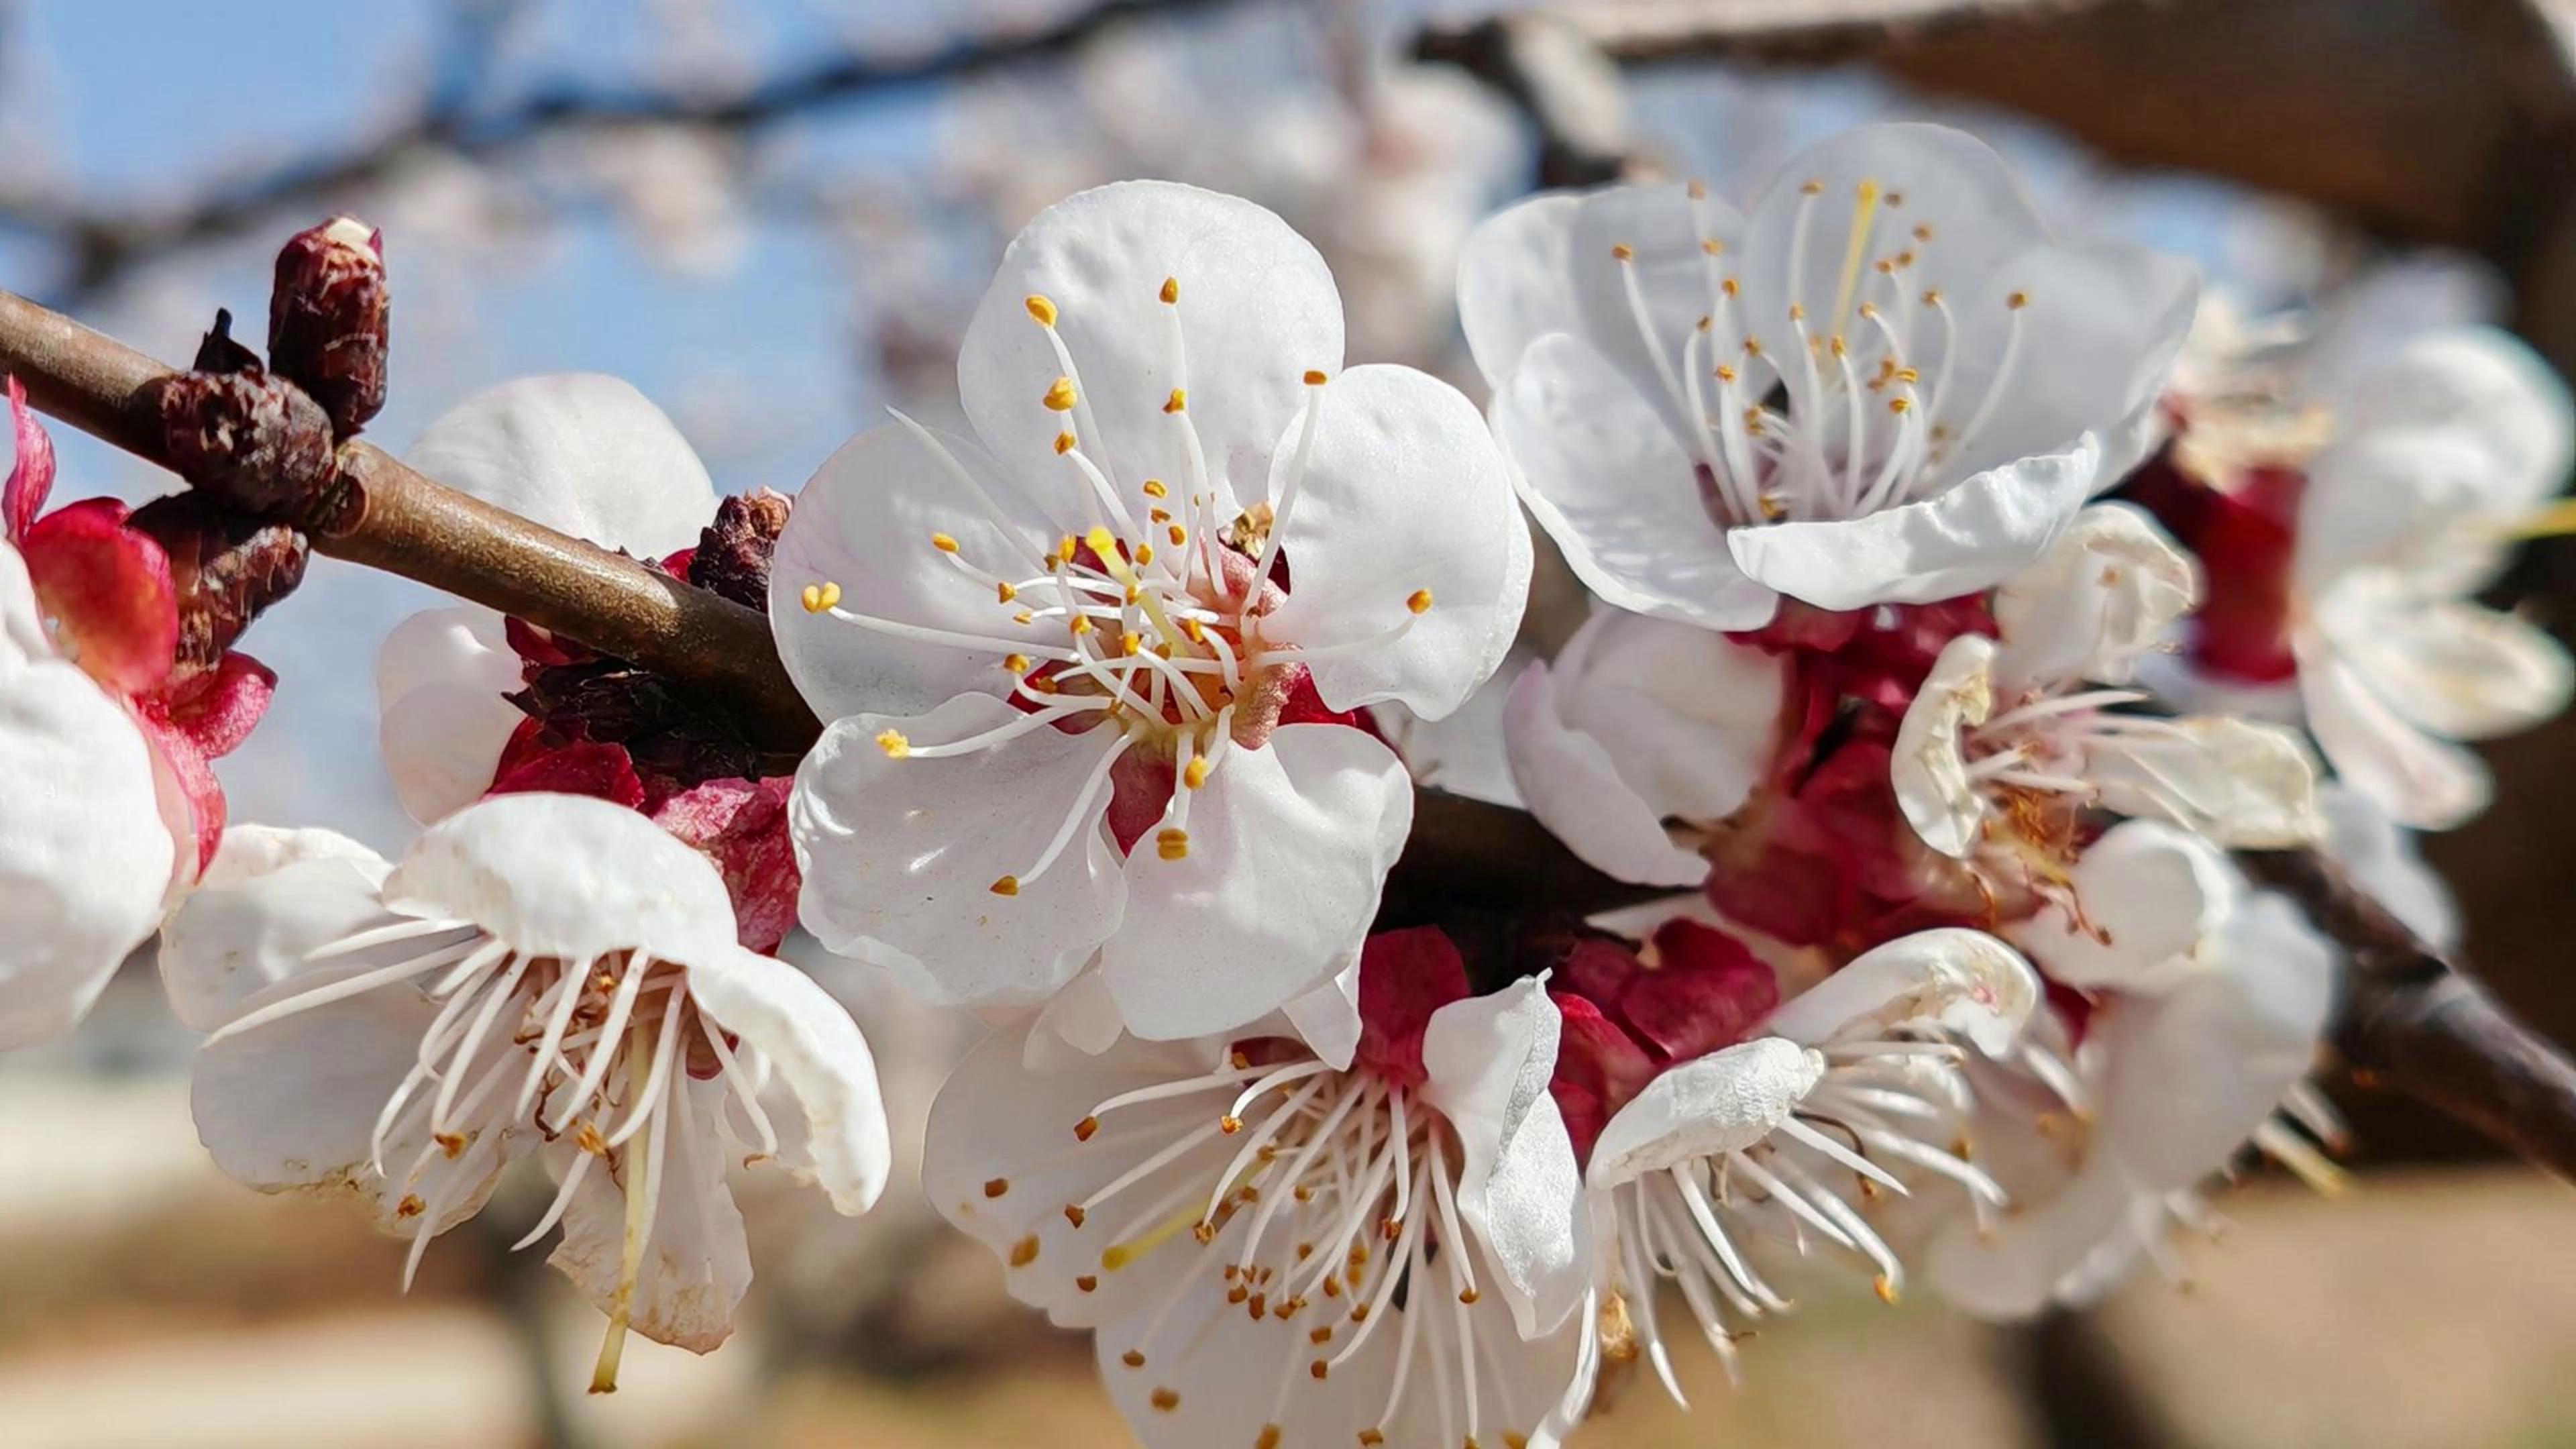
104, 244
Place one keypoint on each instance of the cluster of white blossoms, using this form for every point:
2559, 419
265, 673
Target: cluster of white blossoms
1959, 984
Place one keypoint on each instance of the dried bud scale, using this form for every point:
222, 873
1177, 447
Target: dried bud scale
254, 441
733, 553
226, 569
328, 317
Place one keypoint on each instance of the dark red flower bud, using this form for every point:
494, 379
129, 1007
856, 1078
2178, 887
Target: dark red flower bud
328, 315
225, 568
253, 441
733, 553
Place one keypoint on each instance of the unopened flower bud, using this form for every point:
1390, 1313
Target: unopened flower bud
733, 552
225, 568
252, 440
327, 319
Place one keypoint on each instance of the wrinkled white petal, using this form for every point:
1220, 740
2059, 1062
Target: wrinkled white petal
1689, 718
1391, 435
2244, 785
1488, 1060
1976, 534
1289, 846
1960, 980
900, 856
581, 453
1727, 1101
2101, 597
1927, 764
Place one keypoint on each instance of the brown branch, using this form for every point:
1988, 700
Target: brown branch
408, 524
2411, 1017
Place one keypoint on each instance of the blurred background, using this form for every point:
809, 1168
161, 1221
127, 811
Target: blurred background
774, 217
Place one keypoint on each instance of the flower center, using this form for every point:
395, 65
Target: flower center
1864, 418
1325, 1203
1149, 620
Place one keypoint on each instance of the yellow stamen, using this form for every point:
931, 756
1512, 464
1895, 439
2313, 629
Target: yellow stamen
818, 597
1180, 400
1003, 592
1016, 663
894, 744
1059, 396
1419, 601
1154, 489
1621, 251
1172, 843
1008, 885
1040, 308
1195, 773
1063, 443
1314, 378
1171, 292
943, 543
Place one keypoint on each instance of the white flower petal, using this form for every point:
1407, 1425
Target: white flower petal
1979, 532
863, 525
1689, 717
2148, 895
22, 622
1724, 1102
2383, 859
1081, 1018
1488, 1060
1327, 1019
293, 1108
85, 857
1610, 483
567, 876
695, 1267
815, 1049
267, 902
2454, 668
1206, 1374
2422, 782
1574, 789
1256, 306
1289, 846
2244, 785
443, 722
2098, 600
581, 453
1964, 981
2413, 500
2033, 1258
2491, 385
901, 855
1927, 764
1404, 491
2192, 1073
1548, 265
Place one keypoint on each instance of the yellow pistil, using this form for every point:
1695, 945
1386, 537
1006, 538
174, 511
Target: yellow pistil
639, 1204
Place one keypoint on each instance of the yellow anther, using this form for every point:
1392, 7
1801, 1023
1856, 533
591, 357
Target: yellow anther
1623, 252
1898, 404
1131, 644
1931, 296
1063, 443
1923, 232
1702, 324
1040, 308
1195, 773
1797, 313
1178, 535
1144, 553
1016, 663
818, 597
1172, 843
1004, 592
1059, 396
1196, 630
1171, 292
1165, 1400
1158, 515
1885, 1289
1132, 1359
1907, 374
1074, 1214
1419, 601
1812, 188
1154, 489
1008, 885
1713, 248
1725, 373
1696, 190
1729, 287
1314, 378
894, 744
1081, 624
2017, 300
1753, 347
1083, 1129
1866, 310
1180, 400
1024, 616
943, 543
